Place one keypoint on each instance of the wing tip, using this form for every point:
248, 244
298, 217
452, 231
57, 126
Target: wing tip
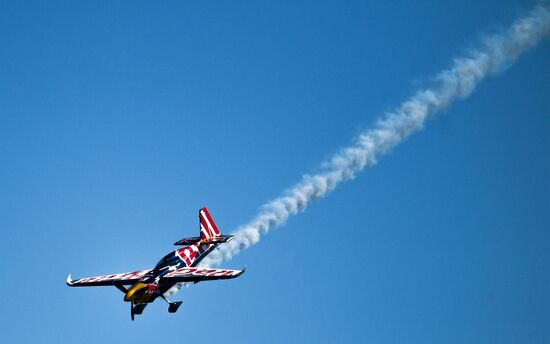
69, 280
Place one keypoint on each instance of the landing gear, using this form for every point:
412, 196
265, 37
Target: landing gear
136, 309
172, 306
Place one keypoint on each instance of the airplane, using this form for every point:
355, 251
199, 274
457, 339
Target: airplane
179, 266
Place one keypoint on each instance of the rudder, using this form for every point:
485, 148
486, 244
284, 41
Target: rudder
208, 227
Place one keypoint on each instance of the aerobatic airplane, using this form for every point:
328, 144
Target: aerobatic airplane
178, 266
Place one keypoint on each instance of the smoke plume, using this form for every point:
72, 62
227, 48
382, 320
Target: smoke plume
495, 53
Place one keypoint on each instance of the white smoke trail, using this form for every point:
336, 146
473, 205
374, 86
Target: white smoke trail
496, 53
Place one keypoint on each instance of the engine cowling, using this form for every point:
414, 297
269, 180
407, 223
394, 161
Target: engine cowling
142, 293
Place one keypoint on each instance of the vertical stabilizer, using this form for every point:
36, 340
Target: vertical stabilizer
208, 227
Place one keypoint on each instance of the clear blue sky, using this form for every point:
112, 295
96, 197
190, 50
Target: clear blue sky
119, 120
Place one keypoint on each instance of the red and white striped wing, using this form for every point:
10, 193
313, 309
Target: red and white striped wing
200, 274
125, 278
207, 225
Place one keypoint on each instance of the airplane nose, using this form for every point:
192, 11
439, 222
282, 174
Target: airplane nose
134, 292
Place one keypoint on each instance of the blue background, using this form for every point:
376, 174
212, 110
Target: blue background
119, 120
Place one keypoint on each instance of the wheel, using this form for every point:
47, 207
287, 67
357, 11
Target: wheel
173, 307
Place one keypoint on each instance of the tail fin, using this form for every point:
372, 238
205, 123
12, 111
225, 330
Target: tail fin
209, 230
210, 234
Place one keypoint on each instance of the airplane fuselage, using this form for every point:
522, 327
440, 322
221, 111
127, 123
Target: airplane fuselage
148, 288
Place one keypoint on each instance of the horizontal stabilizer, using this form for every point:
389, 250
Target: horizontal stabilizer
213, 240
